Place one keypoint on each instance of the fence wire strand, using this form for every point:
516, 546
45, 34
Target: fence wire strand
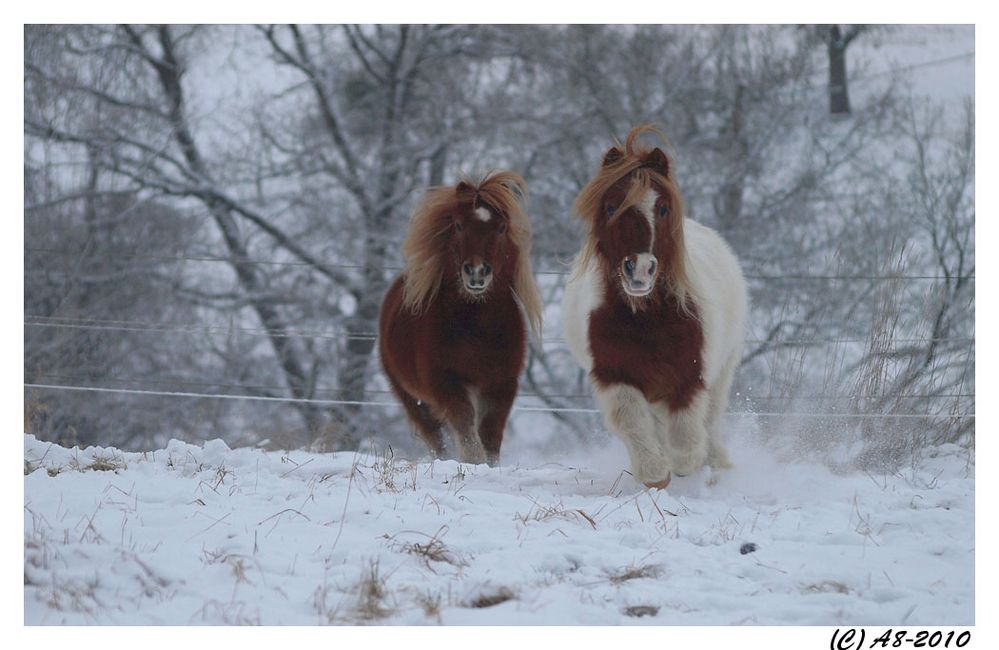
557, 272
517, 408
203, 328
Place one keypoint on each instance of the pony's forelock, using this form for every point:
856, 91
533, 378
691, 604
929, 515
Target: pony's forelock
424, 250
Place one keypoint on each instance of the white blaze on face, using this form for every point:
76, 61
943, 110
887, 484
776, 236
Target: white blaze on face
483, 214
647, 206
643, 270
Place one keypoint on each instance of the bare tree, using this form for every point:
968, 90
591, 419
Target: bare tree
936, 325
158, 152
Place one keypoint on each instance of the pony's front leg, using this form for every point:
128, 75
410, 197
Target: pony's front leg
427, 425
459, 412
684, 434
494, 408
626, 413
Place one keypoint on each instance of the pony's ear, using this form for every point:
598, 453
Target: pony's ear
657, 160
612, 156
464, 186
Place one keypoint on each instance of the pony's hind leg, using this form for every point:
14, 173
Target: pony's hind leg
626, 413
493, 410
428, 426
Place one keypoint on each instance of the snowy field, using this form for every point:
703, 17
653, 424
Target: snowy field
211, 535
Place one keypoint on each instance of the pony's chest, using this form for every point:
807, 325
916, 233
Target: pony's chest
482, 333
475, 321
658, 351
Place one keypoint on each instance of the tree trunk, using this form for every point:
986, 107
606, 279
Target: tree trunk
839, 98
438, 163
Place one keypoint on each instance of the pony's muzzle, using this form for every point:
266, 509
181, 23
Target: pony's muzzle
476, 276
638, 274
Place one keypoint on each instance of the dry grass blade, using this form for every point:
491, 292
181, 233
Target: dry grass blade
587, 517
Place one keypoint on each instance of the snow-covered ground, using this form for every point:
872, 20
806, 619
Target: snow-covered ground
211, 535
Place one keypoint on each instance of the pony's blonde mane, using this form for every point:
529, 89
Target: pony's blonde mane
589, 204
425, 248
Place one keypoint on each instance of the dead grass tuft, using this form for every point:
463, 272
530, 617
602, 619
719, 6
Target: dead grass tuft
239, 570
371, 594
71, 594
393, 475
33, 466
499, 596
106, 464
431, 604
235, 612
557, 510
433, 550
638, 611
634, 573
828, 586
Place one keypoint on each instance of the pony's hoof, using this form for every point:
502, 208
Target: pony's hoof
660, 485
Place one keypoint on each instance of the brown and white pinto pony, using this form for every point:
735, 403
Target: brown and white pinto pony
654, 311
453, 326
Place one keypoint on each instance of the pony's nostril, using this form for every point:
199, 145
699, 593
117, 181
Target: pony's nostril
629, 267
486, 269
652, 267
467, 268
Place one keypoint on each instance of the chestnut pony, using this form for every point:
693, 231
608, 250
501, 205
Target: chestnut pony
654, 311
453, 326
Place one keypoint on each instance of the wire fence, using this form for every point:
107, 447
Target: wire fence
232, 260
201, 328
219, 385
126, 325
99, 324
516, 407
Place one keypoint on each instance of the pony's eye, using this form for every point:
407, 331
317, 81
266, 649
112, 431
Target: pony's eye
610, 209
457, 226
502, 228
663, 209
